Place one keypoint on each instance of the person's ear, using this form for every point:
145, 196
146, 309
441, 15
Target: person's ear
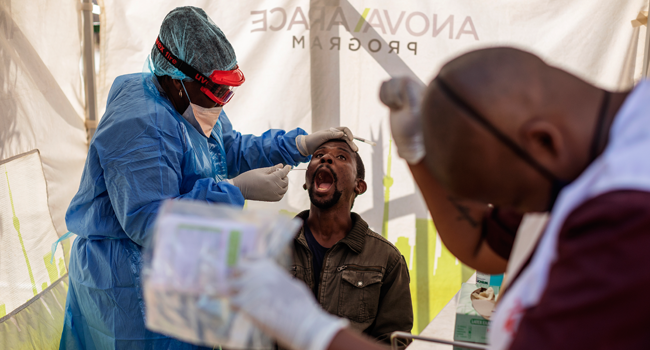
173, 88
360, 187
304, 186
544, 142
177, 84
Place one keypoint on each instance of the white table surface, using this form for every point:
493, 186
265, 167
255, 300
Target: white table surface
441, 327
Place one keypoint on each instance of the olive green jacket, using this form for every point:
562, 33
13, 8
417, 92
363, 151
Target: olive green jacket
364, 278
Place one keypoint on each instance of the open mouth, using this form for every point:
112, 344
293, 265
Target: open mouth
323, 180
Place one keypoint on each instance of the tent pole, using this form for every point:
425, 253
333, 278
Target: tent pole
89, 68
646, 55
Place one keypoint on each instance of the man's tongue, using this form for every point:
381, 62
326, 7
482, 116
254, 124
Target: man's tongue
324, 181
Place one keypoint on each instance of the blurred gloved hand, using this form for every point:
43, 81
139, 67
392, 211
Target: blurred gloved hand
263, 184
283, 307
307, 144
403, 96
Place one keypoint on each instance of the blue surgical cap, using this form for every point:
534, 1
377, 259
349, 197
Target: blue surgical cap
191, 35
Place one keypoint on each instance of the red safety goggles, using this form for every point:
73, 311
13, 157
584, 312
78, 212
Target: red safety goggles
219, 87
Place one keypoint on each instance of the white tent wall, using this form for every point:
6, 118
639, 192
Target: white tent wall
42, 152
316, 64
42, 101
643, 51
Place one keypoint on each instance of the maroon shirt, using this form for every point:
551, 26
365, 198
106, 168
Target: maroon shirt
597, 291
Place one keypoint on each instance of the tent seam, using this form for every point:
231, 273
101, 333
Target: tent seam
32, 300
35, 150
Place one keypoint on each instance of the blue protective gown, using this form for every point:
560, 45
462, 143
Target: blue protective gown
142, 153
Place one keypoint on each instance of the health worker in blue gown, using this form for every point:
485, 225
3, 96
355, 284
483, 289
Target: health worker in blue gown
164, 135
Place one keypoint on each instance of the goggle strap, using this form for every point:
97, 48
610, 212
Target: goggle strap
183, 66
507, 141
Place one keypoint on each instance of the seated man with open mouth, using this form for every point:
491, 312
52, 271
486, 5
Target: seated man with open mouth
353, 272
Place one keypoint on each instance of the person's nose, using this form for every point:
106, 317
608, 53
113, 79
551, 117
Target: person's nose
326, 159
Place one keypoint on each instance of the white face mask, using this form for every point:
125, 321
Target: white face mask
205, 117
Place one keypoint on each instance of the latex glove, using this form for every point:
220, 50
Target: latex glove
307, 144
403, 96
283, 307
263, 184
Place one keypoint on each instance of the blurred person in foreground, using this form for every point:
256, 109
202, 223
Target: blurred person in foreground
164, 135
352, 271
498, 134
